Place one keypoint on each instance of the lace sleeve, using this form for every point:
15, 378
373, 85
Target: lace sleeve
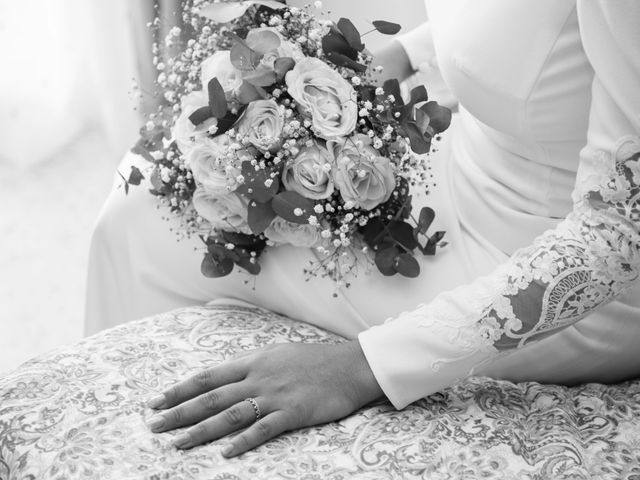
589, 259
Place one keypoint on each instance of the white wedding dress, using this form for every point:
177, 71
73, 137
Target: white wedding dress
537, 188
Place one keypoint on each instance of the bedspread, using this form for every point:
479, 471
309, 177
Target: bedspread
79, 412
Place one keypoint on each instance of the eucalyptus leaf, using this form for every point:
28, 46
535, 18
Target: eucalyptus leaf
254, 186
402, 233
419, 94
243, 57
200, 116
392, 87
407, 266
249, 93
343, 61
385, 261
283, 65
260, 216
287, 204
386, 28
335, 42
440, 116
217, 98
418, 143
216, 268
140, 149
252, 267
135, 177
425, 219
351, 34
261, 77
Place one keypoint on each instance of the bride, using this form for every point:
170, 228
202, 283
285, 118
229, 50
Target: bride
538, 184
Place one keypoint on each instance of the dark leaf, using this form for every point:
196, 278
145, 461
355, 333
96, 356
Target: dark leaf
217, 98
407, 266
386, 28
351, 34
283, 65
430, 247
253, 267
254, 186
425, 220
215, 268
392, 87
241, 239
419, 95
260, 216
136, 176
201, 115
228, 121
440, 116
386, 260
371, 232
126, 184
261, 77
334, 42
287, 204
418, 143
402, 233
343, 61
422, 121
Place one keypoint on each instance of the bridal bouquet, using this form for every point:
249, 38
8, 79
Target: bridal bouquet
274, 132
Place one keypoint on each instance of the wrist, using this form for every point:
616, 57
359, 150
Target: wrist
364, 383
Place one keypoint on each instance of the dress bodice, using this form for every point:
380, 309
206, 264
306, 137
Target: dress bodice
524, 122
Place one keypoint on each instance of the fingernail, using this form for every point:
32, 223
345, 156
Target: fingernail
156, 422
227, 450
182, 440
156, 402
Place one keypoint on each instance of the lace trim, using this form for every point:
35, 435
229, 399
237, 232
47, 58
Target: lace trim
590, 258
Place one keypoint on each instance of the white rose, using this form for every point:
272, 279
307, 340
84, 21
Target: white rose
262, 123
309, 174
281, 231
322, 93
219, 66
224, 212
184, 132
207, 164
364, 178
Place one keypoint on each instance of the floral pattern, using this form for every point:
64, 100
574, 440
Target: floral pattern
79, 412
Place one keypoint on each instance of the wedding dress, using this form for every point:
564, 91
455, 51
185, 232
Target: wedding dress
538, 182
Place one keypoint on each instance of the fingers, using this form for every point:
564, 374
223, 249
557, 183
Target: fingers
260, 432
198, 384
236, 417
193, 411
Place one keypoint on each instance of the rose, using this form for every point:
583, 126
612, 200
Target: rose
185, 133
219, 66
206, 161
364, 178
224, 212
322, 93
262, 124
309, 173
299, 235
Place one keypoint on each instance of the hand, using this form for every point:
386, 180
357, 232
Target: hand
293, 386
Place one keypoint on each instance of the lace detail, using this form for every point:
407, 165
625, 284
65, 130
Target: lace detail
590, 258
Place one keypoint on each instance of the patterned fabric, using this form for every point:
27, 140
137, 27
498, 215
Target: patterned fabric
78, 412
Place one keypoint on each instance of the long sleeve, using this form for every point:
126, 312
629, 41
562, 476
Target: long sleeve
592, 257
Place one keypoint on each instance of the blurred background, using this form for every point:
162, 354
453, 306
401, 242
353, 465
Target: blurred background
68, 112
